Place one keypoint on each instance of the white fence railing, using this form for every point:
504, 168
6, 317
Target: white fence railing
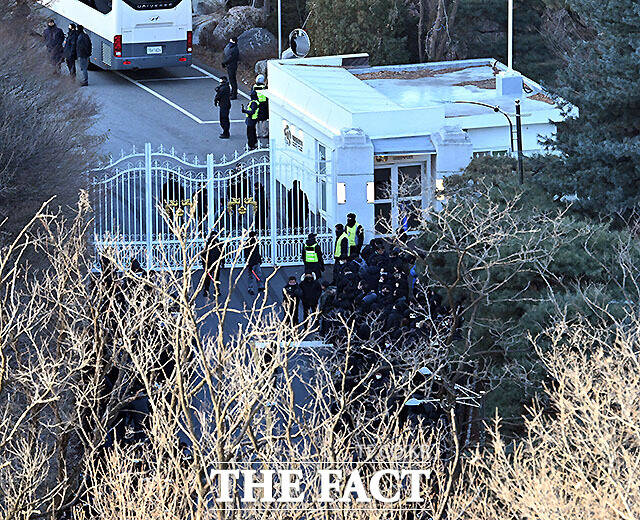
140, 197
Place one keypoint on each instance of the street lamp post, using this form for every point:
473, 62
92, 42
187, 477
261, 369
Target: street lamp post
279, 29
497, 109
519, 136
510, 36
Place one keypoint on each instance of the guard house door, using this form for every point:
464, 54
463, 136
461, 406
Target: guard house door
399, 191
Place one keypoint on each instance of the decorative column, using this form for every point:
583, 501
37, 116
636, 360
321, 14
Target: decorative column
352, 165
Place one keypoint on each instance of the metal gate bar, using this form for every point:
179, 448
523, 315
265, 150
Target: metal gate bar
136, 196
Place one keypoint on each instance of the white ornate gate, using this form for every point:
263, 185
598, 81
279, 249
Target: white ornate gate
138, 196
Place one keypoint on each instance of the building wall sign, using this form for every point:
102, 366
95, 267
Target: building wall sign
293, 136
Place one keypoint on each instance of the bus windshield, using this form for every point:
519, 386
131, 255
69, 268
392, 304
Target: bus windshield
152, 4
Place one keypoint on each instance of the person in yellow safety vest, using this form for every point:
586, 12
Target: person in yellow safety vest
341, 253
355, 232
312, 257
252, 118
263, 111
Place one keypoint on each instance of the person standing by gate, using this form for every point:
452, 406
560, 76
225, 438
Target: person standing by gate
223, 100
53, 39
83, 50
312, 257
291, 301
211, 262
355, 233
252, 119
254, 261
69, 50
263, 109
310, 291
341, 253
231, 58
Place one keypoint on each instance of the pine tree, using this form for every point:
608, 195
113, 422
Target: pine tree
601, 147
481, 32
352, 26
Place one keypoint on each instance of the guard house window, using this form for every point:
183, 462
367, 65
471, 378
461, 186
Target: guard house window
398, 193
409, 196
493, 153
322, 175
104, 6
382, 200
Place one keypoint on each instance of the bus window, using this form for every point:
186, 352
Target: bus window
152, 4
104, 6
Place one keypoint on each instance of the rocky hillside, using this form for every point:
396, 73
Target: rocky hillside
415, 30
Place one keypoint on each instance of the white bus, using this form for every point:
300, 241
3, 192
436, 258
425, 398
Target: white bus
130, 34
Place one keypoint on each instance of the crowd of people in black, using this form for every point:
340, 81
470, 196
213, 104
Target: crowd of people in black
374, 282
377, 281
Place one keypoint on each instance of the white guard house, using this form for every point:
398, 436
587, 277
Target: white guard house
377, 141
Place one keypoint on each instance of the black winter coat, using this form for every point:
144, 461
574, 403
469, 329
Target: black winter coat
83, 46
69, 50
223, 96
310, 291
231, 56
53, 39
291, 295
252, 253
211, 254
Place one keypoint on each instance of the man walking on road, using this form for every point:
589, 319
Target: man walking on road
252, 118
254, 261
223, 100
53, 40
231, 58
69, 50
211, 262
83, 50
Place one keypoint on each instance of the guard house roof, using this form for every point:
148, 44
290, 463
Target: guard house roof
402, 100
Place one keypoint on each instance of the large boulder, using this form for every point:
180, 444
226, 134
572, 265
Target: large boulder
203, 27
208, 6
257, 44
238, 20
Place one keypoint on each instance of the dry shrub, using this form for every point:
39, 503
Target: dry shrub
45, 125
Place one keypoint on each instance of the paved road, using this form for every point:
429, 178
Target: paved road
172, 107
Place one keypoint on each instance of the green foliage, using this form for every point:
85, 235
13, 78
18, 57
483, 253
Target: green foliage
294, 14
508, 258
481, 32
601, 146
353, 26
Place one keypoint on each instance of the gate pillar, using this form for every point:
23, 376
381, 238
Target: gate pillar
148, 195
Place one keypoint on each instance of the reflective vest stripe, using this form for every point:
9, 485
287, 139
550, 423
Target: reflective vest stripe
310, 255
261, 97
252, 108
338, 252
351, 233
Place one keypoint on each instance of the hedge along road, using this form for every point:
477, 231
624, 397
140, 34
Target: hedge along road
171, 106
